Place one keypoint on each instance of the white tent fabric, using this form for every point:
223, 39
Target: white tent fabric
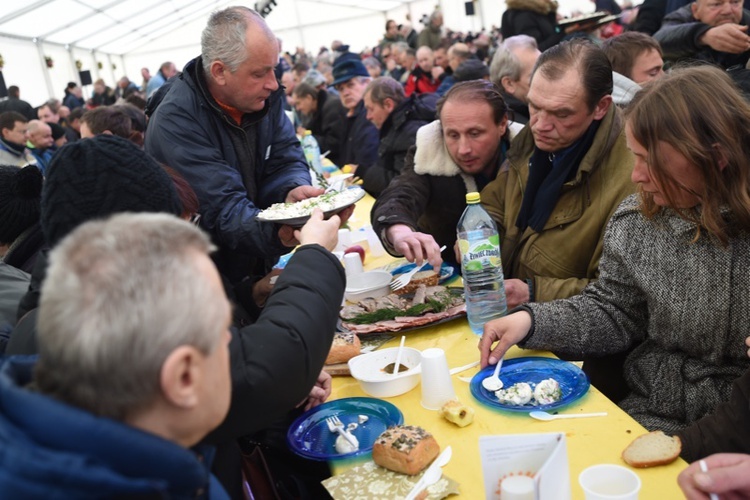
112, 38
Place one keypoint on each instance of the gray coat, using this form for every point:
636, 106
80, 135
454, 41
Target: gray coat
684, 306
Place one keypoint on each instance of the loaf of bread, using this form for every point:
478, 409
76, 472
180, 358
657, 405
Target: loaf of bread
345, 346
405, 448
652, 449
457, 413
427, 278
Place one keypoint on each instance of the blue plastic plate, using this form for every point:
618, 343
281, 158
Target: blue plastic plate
446, 270
573, 382
309, 437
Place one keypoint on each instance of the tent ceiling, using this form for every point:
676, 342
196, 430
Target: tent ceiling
119, 27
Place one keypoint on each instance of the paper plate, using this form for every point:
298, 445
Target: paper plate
532, 370
309, 437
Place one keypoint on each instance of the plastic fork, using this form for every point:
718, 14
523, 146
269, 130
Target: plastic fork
336, 425
404, 279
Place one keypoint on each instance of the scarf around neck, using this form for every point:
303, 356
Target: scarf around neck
547, 174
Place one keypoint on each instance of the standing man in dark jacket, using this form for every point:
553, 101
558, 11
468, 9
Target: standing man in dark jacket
359, 137
536, 18
398, 118
709, 30
15, 103
221, 124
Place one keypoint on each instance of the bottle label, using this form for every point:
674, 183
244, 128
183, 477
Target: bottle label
477, 254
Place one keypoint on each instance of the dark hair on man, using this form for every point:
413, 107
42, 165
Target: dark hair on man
592, 65
478, 91
111, 118
301, 67
623, 50
411, 52
388, 23
14, 92
53, 105
76, 114
9, 118
136, 100
305, 89
385, 87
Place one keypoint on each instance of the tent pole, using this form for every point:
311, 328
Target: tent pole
45, 69
299, 27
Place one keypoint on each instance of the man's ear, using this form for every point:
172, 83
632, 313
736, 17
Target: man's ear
508, 85
180, 377
694, 9
389, 105
218, 72
107, 132
602, 107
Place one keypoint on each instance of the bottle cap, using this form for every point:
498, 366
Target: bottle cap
308, 132
472, 197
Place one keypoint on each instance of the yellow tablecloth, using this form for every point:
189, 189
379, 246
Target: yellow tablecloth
590, 440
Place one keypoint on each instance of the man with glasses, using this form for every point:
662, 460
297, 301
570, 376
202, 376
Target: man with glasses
359, 137
709, 30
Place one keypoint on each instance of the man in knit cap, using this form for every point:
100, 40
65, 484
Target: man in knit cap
21, 237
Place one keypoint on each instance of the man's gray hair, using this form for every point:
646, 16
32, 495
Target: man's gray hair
505, 62
120, 295
223, 38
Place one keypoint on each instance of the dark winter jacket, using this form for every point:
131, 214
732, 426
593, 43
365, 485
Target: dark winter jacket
359, 140
66, 452
73, 102
726, 430
397, 135
324, 125
535, 18
234, 170
106, 98
518, 111
679, 36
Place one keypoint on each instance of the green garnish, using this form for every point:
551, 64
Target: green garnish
436, 303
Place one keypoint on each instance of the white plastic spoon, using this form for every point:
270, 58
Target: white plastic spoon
494, 383
543, 415
432, 475
398, 356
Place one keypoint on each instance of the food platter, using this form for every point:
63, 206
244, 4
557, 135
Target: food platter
584, 19
573, 382
403, 318
297, 214
309, 437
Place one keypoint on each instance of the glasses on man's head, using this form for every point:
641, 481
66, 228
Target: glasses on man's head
195, 219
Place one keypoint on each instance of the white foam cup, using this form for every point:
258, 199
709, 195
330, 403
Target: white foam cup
353, 264
609, 482
437, 386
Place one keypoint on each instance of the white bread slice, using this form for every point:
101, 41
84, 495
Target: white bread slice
652, 449
427, 278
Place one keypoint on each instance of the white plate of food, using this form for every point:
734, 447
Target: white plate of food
297, 213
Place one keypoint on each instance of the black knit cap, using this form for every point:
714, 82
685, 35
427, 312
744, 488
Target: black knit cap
101, 176
20, 197
57, 130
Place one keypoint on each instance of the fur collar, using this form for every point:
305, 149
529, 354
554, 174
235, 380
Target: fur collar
432, 157
543, 7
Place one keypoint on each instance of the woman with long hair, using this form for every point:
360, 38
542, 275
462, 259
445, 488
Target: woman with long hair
674, 279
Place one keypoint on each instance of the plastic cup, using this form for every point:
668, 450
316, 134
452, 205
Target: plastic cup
353, 264
437, 386
609, 482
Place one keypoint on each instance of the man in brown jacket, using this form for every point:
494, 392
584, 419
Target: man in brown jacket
566, 173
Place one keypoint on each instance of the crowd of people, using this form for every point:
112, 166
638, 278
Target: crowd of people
612, 152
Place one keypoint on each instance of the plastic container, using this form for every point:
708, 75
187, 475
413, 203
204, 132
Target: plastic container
312, 151
482, 269
368, 370
373, 284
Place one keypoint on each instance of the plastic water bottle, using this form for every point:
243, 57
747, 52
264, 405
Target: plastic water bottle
482, 269
312, 152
